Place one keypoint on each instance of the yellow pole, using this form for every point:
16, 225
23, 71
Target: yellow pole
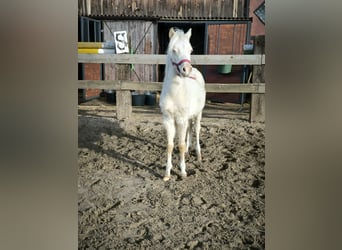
88, 51
94, 45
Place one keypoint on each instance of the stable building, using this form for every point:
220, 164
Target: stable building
218, 27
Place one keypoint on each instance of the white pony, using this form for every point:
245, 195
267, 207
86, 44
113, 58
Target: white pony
182, 98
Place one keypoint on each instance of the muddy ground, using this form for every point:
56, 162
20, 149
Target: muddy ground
124, 203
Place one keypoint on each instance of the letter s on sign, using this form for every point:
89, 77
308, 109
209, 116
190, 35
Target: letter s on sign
121, 42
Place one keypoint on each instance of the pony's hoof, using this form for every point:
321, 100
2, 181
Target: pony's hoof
199, 158
166, 178
183, 175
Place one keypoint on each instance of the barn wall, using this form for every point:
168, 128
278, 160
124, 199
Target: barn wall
142, 39
226, 38
163, 8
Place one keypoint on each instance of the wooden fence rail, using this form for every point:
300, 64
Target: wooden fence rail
124, 87
157, 86
160, 59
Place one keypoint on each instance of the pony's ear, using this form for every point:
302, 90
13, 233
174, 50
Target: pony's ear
188, 34
171, 32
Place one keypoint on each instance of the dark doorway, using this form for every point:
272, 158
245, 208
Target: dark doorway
197, 39
89, 30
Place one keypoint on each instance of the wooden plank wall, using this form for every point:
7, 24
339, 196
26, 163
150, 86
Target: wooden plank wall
226, 38
141, 37
163, 8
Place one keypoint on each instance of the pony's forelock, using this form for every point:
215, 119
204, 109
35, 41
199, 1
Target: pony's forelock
178, 33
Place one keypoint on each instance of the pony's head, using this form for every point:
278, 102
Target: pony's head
179, 51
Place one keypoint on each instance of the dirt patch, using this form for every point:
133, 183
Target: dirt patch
125, 204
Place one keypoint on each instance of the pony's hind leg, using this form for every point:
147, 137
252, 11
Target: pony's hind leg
170, 130
188, 137
198, 128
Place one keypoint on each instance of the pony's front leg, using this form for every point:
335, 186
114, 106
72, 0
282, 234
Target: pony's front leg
170, 130
182, 130
198, 128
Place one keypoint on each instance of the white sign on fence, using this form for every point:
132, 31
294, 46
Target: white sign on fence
121, 44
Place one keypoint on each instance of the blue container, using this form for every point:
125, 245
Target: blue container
138, 99
110, 97
150, 99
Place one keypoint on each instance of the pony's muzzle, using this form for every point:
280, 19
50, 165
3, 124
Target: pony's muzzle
186, 69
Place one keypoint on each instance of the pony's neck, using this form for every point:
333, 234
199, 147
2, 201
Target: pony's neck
169, 69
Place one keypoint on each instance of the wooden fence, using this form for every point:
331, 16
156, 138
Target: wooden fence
123, 87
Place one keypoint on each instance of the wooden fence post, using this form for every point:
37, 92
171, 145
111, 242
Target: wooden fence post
257, 107
123, 97
123, 104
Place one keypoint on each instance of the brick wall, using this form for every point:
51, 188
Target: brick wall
258, 28
92, 71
